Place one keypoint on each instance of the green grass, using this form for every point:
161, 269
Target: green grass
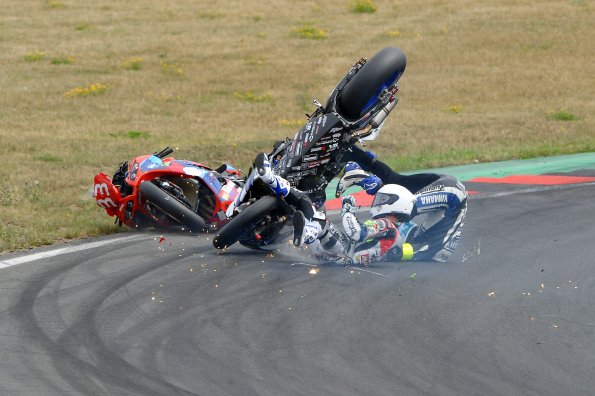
561, 115
363, 7
309, 31
131, 134
222, 83
48, 158
249, 96
35, 56
135, 63
63, 60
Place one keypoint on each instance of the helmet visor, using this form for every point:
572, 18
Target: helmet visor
384, 199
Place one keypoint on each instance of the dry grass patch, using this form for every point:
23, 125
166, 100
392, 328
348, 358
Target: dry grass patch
485, 81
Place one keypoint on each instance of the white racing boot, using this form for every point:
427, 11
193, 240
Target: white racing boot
278, 184
304, 230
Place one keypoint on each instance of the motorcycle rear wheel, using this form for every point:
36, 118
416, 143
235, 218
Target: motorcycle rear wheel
169, 205
380, 72
234, 230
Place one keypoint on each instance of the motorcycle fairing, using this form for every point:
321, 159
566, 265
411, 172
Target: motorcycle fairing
129, 206
316, 132
106, 194
151, 163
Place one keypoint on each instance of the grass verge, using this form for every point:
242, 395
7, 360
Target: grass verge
484, 81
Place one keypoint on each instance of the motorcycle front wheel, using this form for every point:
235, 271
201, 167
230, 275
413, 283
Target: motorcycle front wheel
169, 205
238, 225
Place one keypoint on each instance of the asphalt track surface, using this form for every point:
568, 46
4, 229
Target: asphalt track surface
512, 313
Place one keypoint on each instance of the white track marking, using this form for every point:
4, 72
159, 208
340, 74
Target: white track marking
93, 245
69, 249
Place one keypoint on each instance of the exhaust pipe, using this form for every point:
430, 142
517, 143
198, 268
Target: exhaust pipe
383, 113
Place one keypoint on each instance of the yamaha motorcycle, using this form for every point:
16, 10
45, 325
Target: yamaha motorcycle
156, 190
355, 110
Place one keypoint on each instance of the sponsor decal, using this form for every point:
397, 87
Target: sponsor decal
333, 146
193, 171
311, 191
336, 129
309, 158
134, 171
370, 186
351, 225
328, 140
309, 172
429, 189
226, 190
365, 259
433, 199
316, 149
381, 225
313, 164
452, 244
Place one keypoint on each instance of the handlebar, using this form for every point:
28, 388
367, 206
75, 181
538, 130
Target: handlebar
164, 153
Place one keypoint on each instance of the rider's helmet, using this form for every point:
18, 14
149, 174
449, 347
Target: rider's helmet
393, 199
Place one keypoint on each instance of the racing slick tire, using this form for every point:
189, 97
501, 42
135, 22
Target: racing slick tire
169, 205
380, 72
236, 227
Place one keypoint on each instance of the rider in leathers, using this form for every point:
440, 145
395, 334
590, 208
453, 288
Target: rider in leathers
396, 232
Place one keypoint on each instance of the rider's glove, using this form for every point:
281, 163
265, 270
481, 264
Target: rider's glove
347, 204
350, 166
371, 184
370, 154
355, 175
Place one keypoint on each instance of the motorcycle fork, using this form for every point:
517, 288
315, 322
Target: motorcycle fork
273, 221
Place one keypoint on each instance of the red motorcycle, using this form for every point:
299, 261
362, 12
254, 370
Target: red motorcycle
155, 190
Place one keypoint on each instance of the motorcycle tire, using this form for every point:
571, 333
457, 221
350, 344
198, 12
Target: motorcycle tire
233, 230
376, 74
169, 205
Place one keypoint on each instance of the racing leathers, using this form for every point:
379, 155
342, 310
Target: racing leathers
431, 234
363, 243
442, 199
